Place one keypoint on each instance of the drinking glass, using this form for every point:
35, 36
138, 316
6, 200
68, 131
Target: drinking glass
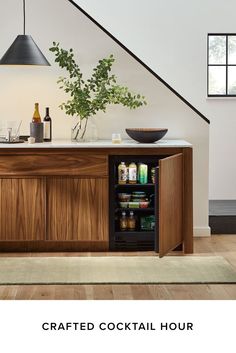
116, 138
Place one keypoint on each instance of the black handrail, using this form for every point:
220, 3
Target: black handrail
140, 61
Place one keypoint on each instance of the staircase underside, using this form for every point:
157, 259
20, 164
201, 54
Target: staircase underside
222, 216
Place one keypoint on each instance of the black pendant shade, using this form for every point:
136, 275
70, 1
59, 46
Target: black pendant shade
24, 51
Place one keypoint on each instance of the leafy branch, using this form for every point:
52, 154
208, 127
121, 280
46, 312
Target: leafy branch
95, 94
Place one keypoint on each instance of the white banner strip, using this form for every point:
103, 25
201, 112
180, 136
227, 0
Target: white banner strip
117, 326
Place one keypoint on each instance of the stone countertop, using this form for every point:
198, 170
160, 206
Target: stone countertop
98, 144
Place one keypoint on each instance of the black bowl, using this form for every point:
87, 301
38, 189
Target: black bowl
144, 135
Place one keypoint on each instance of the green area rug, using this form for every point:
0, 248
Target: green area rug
115, 269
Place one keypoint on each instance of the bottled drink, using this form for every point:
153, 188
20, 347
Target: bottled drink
122, 173
131, 221
123, 222
47, 127
132, 173
36, 116
153, 174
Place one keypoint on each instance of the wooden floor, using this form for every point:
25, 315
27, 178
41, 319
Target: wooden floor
224, 245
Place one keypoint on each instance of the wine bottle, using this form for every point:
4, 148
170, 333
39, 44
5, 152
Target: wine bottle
36, 116
47, 126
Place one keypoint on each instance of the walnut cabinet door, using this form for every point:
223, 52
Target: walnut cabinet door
170, 187
77, 209
22, 209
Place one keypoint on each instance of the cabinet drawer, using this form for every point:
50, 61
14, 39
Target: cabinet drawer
81, 164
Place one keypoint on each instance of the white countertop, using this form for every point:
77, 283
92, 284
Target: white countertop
98, 144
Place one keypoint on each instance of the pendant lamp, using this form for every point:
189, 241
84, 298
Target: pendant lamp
24, 51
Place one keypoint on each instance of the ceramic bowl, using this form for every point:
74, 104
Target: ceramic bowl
145, 135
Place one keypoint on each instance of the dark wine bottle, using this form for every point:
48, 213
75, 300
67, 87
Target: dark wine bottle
47, 127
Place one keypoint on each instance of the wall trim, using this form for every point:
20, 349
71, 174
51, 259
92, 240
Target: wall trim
201, 231
140, 61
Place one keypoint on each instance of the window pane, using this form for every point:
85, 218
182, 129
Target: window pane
232, 49
217, 80
217, 49
232, 79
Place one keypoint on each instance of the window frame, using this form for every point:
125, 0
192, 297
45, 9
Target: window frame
226, 65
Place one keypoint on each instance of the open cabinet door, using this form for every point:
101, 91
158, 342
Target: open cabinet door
170, 203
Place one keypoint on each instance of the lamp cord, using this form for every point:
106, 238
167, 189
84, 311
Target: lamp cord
24, 16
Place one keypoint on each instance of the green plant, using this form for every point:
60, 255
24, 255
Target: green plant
87, 97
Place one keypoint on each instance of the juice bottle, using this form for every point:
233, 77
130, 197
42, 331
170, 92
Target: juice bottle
122, 173
132, 173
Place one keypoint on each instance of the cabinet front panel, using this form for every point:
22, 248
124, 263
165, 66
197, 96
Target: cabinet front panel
83, 164
22, 209
77, 209
170, 203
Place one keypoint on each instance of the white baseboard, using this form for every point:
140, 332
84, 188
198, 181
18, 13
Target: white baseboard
201, 231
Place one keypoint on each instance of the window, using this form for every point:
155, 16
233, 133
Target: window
221, 73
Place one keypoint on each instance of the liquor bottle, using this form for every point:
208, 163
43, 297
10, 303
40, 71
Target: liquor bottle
131, 221
123, 222
122, 173
47, 127
36, 116
132, 173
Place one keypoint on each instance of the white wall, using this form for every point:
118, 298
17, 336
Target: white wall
20, 87
170, 36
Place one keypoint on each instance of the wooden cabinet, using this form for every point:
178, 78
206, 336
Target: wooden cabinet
22, 209
60, 199
54, 209
77, 209
53, 199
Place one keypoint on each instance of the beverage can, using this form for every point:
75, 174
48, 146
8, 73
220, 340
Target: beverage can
143, 173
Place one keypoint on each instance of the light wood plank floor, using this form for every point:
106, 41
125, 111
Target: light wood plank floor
224, 245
